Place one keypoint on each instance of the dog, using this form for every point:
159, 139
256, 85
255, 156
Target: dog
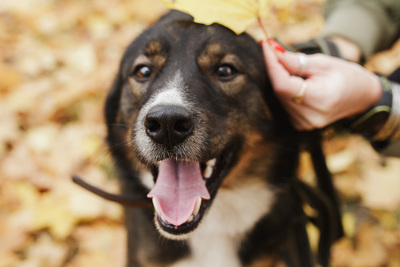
194, 125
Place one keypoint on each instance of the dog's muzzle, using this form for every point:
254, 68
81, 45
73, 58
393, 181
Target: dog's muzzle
169, 125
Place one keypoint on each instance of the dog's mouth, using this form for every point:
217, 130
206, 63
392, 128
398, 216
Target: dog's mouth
183, 192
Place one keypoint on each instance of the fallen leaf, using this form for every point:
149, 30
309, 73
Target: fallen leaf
340, 162
313, 235
41, 139
45, 252
82, 59
342, 253
57, 62
380, 186
349, 224
101, 245
370, 250
306, 168
52, 213
16, 202
236, 15
9, 78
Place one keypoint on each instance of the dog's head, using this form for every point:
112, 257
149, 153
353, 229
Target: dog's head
190, 106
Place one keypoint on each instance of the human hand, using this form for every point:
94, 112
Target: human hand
333, 88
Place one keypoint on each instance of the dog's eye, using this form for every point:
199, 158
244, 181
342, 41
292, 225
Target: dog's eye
226, 72
142, 73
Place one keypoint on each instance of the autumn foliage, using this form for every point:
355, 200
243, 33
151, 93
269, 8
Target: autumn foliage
57, 61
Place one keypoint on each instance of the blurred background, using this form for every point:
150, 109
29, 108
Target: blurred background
57, 62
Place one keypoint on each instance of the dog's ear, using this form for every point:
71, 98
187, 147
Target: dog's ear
279, 115
175, 15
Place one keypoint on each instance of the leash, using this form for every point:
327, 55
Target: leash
325, 220
125, 200
323, 199
324, 178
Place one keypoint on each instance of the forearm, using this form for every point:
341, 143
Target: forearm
372, 25
348, 50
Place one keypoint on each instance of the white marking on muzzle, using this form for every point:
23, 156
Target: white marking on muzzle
171, 94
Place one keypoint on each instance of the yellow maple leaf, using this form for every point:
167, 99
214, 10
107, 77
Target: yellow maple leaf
51, 212
236, 15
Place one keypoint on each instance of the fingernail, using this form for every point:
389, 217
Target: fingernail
277, 46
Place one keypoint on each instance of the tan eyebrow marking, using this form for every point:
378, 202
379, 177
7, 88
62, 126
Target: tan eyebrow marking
211, 55
155, 52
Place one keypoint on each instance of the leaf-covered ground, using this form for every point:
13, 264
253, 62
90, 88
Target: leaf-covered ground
57, 61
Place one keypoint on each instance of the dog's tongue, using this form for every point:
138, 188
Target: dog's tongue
179, 184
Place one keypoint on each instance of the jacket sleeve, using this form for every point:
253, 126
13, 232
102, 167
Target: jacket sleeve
390, 150
373, 25
387, 140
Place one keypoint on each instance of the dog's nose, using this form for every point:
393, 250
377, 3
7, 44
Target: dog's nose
169, 125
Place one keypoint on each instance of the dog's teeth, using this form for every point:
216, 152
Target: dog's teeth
208, 171
156, 207
211, 162
190, 218
197, 207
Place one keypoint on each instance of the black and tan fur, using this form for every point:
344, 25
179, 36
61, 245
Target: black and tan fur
218, 81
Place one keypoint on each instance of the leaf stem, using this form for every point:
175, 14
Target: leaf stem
262, 27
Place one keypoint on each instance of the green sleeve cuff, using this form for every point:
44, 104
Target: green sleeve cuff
387, 140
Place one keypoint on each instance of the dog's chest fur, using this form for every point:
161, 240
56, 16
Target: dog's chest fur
217, 240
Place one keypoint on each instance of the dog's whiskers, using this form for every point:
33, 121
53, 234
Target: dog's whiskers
207, 103
120, 125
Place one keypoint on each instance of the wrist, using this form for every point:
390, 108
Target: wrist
390, 131
372, 121
378, 85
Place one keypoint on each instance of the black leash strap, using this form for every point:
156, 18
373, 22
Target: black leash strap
324, 179
125, 200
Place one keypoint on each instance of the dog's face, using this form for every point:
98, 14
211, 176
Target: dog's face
189, 106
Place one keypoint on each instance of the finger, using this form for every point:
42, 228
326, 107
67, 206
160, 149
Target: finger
300, 64
284, 84
295, 63
271, 62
